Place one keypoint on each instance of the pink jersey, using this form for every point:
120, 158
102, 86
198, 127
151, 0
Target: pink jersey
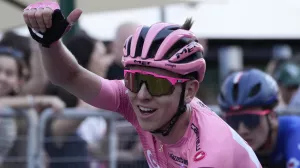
208, 142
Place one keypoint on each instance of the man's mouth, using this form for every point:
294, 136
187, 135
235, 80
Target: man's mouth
146, 110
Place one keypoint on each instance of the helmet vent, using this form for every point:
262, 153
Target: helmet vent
235, 91
173, 28
140, 41
128, 46
255, 90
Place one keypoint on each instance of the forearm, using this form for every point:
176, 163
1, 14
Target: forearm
15, 102
59, 63
64, 127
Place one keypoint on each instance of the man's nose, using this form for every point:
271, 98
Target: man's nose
242, 129
144, 93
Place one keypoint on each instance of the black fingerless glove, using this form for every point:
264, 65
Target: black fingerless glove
59, 27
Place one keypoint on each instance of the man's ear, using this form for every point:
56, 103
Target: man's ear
273, 118
272, 115
191, 90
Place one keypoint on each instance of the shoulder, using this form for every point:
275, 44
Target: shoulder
289, 123
222, 148
289, 137
205, 117
289, 133
219, 140
200, 107
242, 151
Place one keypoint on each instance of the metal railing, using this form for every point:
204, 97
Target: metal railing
32, 119
37, 128
79, 113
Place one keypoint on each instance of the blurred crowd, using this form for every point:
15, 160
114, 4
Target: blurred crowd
24, 85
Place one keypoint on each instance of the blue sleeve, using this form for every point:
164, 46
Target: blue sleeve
292, 149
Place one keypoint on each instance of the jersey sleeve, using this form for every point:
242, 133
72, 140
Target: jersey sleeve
236, 154
113, 97
242, 151
292, 149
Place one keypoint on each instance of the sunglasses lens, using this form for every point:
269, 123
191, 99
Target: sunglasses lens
156, 86
249, 120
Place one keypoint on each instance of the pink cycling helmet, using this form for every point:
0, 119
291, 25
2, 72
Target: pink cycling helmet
167, 46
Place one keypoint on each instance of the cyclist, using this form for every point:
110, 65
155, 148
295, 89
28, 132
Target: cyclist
164, 67
288, 78
248, 98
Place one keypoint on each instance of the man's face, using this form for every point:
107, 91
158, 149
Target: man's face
162, 107
255, 137
253, 128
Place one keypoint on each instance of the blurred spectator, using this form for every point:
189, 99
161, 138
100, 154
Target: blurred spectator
281, 53
109, 47
12, 77
94, 130
90, 54
203, 42
287, 76
8, 136
296, 59
64, 144
17, 42
115, 70
205, 94
35, 78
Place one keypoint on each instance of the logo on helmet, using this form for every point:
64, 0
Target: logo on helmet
142, 62
235, 107
170, 65
187, 49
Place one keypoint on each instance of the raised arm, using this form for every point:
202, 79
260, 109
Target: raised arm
63, 70
46, 26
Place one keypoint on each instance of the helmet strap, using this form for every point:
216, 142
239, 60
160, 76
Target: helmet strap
268, 141
264, 158
180, 110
